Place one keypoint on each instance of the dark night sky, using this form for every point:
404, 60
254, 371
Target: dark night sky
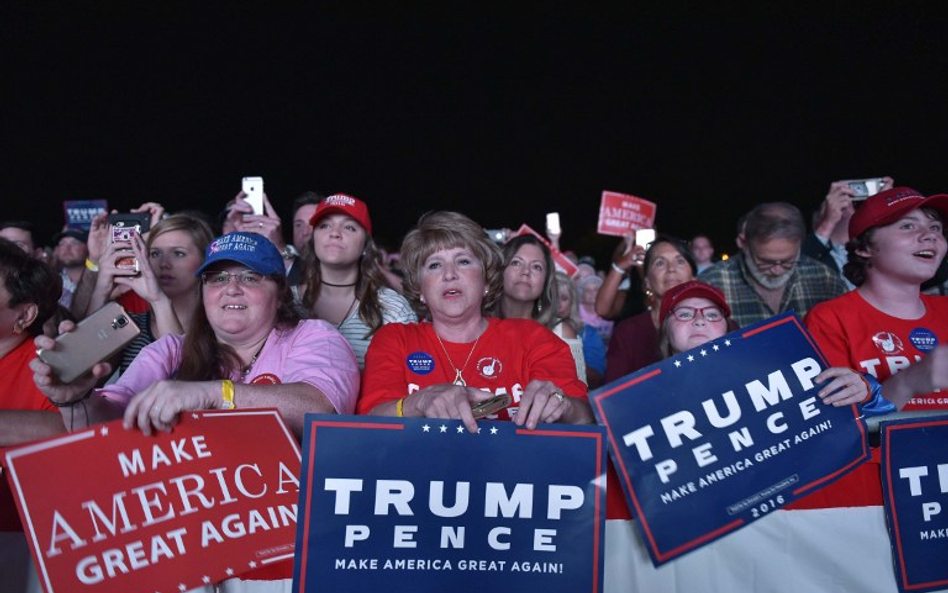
504, 114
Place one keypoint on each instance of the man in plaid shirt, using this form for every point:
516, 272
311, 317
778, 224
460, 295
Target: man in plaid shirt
770, 275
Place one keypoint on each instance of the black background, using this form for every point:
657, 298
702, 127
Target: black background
502, 113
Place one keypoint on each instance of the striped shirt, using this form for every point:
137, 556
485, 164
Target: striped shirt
395, 309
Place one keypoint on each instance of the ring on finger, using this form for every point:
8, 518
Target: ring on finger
559, 396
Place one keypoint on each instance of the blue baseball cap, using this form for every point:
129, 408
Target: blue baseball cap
249, 249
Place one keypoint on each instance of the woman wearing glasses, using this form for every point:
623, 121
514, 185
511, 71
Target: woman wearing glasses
246, 348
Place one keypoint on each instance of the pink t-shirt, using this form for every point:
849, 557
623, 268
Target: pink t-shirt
313, 352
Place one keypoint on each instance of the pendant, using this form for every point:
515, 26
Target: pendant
459, 380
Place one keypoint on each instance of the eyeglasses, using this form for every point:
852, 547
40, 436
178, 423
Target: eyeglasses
247, 278
710, 314
765, 265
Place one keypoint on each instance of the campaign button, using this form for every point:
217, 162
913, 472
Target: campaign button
923, 339
420, 363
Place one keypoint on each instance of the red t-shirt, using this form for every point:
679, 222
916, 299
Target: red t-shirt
19, 392
404, 358
852, 333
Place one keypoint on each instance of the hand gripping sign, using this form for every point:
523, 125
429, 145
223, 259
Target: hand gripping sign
112, 510
415, 504
711, 439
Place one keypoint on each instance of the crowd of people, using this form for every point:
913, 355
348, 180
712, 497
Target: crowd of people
456, 324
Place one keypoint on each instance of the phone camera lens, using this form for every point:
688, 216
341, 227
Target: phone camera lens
121, 321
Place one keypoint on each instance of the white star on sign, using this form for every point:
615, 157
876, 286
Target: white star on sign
252, 564
104, 431
206, 580
493, 430
426, 428
478, 430
716, 347
704, 353
727, 342
195, 416
444, 428
181, 587
691, 358
230, 572
460, 429
677, 363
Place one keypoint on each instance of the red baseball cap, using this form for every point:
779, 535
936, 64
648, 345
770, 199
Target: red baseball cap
890, 205
689, 290
343, 204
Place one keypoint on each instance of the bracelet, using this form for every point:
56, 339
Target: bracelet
91, 266
227, 391
72, 403
400, 408
618, 269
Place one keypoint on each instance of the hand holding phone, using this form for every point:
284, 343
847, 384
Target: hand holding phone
122, 227
864, 188
253, 190
95, 339
644, 237
490, 405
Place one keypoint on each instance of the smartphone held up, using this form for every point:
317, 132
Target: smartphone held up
864, 188
124, 226
253, 193
644, 237
553, 224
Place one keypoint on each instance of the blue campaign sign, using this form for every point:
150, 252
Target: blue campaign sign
915, 487
415, 504
714, 438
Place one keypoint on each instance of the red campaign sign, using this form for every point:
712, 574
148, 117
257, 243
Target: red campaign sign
620, 213
111, 510
563, 263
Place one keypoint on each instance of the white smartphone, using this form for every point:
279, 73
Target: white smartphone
553, 223
644, 237
253, 187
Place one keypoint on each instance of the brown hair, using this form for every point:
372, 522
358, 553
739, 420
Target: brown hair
368, 283
857, 266
436, 231
204, 358
28, 280
544, 309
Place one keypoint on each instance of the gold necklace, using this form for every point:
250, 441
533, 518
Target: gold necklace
458, 378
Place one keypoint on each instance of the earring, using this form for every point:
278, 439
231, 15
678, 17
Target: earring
18, 327
539, 307
422, 298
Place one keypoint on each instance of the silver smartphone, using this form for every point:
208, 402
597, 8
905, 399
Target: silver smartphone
863, 188
95, 338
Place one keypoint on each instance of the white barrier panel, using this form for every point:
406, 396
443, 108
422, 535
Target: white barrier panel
843, 550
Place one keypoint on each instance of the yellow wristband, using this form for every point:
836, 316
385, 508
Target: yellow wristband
91, 266
227, 391
400, 408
